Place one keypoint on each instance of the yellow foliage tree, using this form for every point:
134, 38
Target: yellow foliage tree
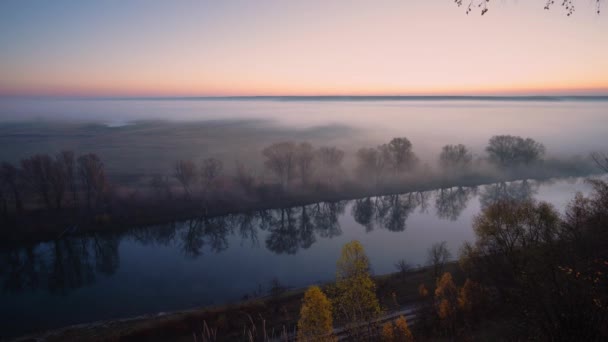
446, 300
388, 332
356, 300
316, 320
422, 291
399, 331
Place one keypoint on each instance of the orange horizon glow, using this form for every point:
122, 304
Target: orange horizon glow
309, 49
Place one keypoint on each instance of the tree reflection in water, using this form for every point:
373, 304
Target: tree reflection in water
512, 191
76, 261
390, 212
451, 202
59, 266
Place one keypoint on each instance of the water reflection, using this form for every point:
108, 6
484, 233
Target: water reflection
450, 203
60, 266
389, 212
74, 262
513, 191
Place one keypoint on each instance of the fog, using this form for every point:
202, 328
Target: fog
132, 129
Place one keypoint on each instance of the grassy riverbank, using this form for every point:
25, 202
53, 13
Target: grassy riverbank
44, 225
272, 313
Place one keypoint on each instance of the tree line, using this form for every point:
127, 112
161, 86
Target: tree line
53, 181
294, 171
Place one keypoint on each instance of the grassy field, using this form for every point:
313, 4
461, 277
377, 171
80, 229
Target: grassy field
151, 147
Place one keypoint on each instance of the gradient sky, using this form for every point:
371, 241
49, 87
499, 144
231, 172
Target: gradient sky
259, 47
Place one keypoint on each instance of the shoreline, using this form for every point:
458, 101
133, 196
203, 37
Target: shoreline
156, 326
46, 225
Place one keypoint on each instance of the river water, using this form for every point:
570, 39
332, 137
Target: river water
212, 261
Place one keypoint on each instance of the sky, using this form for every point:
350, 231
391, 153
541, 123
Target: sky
263, 47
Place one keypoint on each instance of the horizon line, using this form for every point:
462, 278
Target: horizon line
315, 97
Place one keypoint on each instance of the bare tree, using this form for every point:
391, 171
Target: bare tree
403, 266
455, 157
210, 171
68, 162
438, 256
330, 159
305, 158
398, 152
371, 164
281, 160
601, 159
482, 5
508, 150
38, 174
93, 177
9, 176
185, 172
245, 178
58, 181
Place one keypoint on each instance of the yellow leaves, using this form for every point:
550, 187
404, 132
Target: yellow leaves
446, 295
316, 320
468, 295
353, 262
422, 291
445, 287
445, 309
356, 299
388, 332
398, 331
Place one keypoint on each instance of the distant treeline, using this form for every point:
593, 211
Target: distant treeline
65, 183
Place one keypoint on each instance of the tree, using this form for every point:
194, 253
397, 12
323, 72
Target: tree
446, 301
549, 270
9, 176
356, 300
281, 160
330, 160
470, 297
455, 157
508, 150
68, 163
399, 154
567, 5
58, 180
438, 256
210, 171
37, 173
506, 231
245, 178
304, 159
330, 157
371, 164
316, 320
185, 172
601, 159
93, 177
397, 331
46, 176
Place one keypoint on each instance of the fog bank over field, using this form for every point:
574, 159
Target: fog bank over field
147, 135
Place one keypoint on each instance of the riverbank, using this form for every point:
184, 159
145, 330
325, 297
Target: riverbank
268, 315
46, 225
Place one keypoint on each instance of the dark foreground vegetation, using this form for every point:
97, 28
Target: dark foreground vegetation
530, 274
46, 196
